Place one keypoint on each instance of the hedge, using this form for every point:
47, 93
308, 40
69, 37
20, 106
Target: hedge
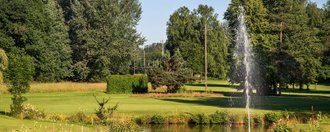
125, 84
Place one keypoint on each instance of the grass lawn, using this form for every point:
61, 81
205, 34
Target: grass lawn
13, 124
47, 98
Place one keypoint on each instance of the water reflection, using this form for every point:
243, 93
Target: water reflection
199, 128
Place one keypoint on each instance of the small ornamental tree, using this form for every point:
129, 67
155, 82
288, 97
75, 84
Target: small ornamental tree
102, 112
19, 74
172, 74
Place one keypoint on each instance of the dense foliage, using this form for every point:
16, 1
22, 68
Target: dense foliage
85, 40
3, 63
127, 84
171, 73
78, 40
103, 36
186, 33
19, 73
37, 27
298, 60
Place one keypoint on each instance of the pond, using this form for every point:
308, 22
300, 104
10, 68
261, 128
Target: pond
200, 128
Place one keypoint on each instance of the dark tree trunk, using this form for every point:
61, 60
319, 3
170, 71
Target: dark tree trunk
244, 92
274, 89
280, 89
264, 90
293, 85
250, 91
307, 86
301, 86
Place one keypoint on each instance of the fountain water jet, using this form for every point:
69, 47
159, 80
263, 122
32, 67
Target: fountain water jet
244, 56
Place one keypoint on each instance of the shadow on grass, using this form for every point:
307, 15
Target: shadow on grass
325, 84
289, 103
306, 91
211, 85
4, 113
231, 94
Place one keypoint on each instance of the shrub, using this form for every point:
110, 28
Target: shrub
127, 84
173, 80
124, 127
220, 117
257, 120
142, 120
282, 128
79, 117
56, 117
92, 119
285, 114
31, 112
200, 119
102, 112
181, 90
246, 120
177, 119
157, 119
19, 75
272, 117
234, 118
303, 116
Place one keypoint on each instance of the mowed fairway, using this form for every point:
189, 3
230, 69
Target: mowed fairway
71, 101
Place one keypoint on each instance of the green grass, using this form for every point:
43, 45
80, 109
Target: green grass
73, 101
14, 124
221, 86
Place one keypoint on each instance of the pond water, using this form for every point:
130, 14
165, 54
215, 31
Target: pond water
200, 128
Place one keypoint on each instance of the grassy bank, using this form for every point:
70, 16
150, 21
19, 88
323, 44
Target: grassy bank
9, 124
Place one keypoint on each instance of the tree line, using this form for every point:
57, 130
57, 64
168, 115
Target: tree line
84, 40
299, 59
77, 40
289, 38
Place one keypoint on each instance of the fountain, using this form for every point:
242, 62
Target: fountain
244, 57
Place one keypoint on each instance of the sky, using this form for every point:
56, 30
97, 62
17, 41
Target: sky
156, 13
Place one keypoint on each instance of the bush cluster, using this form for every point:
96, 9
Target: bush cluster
303, 117
157, 119
31, 112
177, 119
200, 119
124, 127
257, 120
126, 84
282, 128
219, 117
272, 117
79, 117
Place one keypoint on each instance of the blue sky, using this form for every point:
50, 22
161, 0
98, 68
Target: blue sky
157, 12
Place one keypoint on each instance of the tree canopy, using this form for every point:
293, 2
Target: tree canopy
185, 32
85, 40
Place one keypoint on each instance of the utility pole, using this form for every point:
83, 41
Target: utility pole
281, 44
281, 36
144, 61
205, 48
162, 47
134, 67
